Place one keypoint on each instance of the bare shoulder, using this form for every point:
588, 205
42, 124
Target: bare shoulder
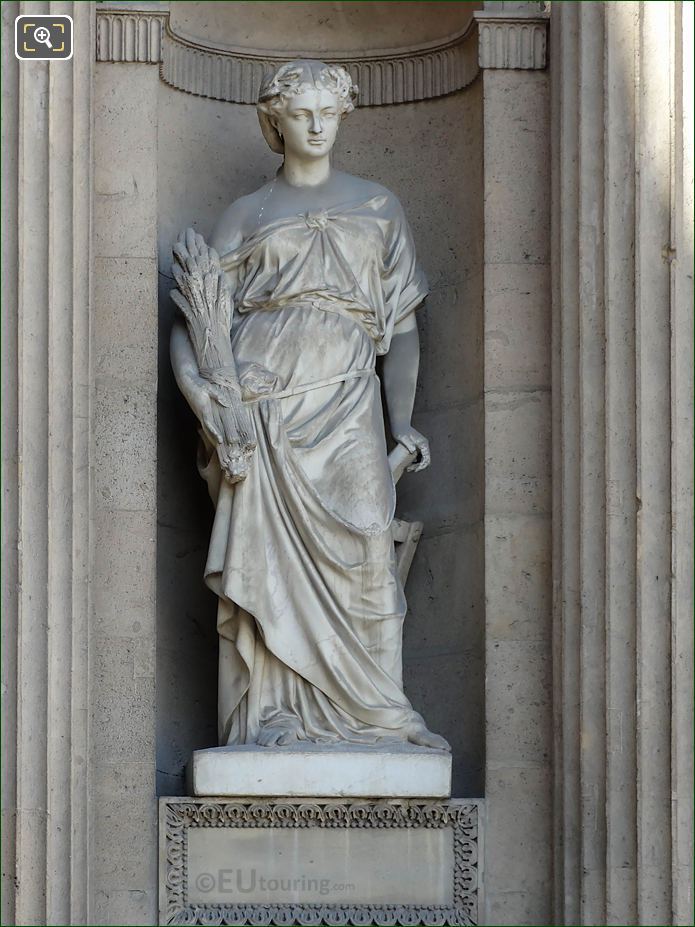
236, 222
363, 188
351, 183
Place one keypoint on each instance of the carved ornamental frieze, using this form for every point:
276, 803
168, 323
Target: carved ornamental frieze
234, 75
180, 818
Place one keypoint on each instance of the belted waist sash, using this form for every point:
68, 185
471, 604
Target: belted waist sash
315, 384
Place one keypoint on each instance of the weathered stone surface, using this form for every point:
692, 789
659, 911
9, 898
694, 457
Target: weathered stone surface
519, 874
518, 453
519, 586
122, 598
125, 159
324, 860
343, 770
122, 639
46, 441
321, 866
518, 701
123, 289
518, 473
517, 322
619, 778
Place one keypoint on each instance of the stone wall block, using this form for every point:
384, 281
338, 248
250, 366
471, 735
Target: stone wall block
516, 168
518, 461
458, 505
117, 785
127, 353
125, 158
518, 587
518, 702
123, 598
123, 699
124, 428
445, 343
516, 326
517, 877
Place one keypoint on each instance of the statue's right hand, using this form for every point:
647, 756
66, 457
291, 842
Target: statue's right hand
200, 394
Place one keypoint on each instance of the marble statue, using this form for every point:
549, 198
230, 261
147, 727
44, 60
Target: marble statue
275, 353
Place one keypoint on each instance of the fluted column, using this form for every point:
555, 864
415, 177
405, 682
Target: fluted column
622, 238
46, 529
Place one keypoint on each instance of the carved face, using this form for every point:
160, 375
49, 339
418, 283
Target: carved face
308, 123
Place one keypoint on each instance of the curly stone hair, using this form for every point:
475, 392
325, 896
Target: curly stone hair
293, 78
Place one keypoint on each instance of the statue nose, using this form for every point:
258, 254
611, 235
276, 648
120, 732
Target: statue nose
316, 125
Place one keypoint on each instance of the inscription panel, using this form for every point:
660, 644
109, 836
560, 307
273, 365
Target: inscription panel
320, 862
321, 865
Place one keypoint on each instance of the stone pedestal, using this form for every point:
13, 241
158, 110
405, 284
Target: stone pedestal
350, 771
325, 861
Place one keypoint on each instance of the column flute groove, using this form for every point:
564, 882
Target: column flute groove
592, 463
682, 365
82, 174
32, 608
653, 466
621, 514
59, 510
566, 518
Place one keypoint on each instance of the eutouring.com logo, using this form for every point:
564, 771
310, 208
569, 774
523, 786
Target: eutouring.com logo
248, 881
43, 38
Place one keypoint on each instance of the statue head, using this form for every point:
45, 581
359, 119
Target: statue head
301, 105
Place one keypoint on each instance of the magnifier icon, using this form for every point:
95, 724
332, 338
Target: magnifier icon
43, 35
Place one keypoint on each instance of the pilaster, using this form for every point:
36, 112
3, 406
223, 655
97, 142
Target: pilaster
517, 464
123, 814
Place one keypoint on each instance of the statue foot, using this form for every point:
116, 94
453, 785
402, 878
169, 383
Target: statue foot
419, 734
276, 736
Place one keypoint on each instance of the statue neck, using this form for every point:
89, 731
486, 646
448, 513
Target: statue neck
300, 173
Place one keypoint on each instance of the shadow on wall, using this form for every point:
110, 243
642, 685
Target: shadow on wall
186, 633
430, 155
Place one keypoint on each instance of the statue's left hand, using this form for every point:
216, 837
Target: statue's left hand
413, 441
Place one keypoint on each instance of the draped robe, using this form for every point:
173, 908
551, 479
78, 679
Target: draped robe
301, 556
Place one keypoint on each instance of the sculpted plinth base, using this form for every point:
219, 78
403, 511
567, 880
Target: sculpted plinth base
307, 769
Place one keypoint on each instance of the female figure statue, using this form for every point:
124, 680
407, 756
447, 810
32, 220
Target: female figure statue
323, 279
